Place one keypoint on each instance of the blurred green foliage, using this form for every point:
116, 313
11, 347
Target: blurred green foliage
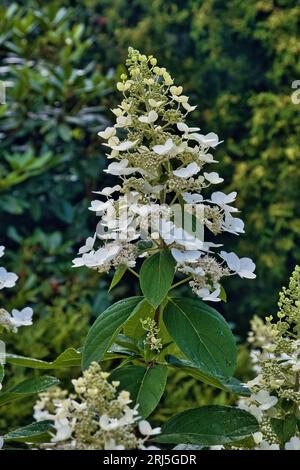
60, 60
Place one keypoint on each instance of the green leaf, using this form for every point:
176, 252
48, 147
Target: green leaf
120, 271
202, 334
105, 329
284, 428
69, 358
156, 276
28, 387
208, 425
223, 295
146, 385
35, 432
133, 326
230, 384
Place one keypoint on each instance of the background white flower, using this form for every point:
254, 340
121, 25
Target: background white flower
244, 267
22, 317
7, 279
213, 177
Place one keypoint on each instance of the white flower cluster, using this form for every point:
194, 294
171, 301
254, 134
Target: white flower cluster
17, 318
275, 354
97, 417
161, 163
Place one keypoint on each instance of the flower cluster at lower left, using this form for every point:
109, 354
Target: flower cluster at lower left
96, 416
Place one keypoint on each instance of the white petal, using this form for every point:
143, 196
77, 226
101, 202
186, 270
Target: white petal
192, 198
152, 116
213, 177
122, 146
22, 317
98, 206
165, 148
186, 256
188, 171
108, 191
232, 260
107, 133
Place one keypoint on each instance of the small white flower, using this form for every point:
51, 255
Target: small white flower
205, 294
244, 267
209, 140
7, 279
108, 191
293, 444
108, 424
213, 177
88, 246
120, 168
176, 90
153, 103
255, 381
122, 146
233, 224
252, 409
152, 116
110, 444
146, 429
99, 206
188, 171
257, 437
167, 147
22, 317
265, 400
63, 430
1, 442
107, 133
264, 445
199, 272
124, 398
186, 256
222, 200
123, 121
192, 198
2, 250
188, 107
182, 127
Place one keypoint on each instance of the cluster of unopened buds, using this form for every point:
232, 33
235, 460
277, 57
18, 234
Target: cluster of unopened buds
161, 164
275, 355
96, 417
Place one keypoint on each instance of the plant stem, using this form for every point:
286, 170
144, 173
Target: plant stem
181, 282
134, 272
157, 315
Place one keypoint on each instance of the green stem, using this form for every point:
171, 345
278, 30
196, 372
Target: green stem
181, 282
157, 315
134, 272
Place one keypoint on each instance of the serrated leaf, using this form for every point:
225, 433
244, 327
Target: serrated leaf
35, 432
133, 326
105, 329
230, 384
202, 334
146, 385
208, 426
28, 387
156, 276
69, 358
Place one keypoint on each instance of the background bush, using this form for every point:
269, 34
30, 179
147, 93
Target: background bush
60, 60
